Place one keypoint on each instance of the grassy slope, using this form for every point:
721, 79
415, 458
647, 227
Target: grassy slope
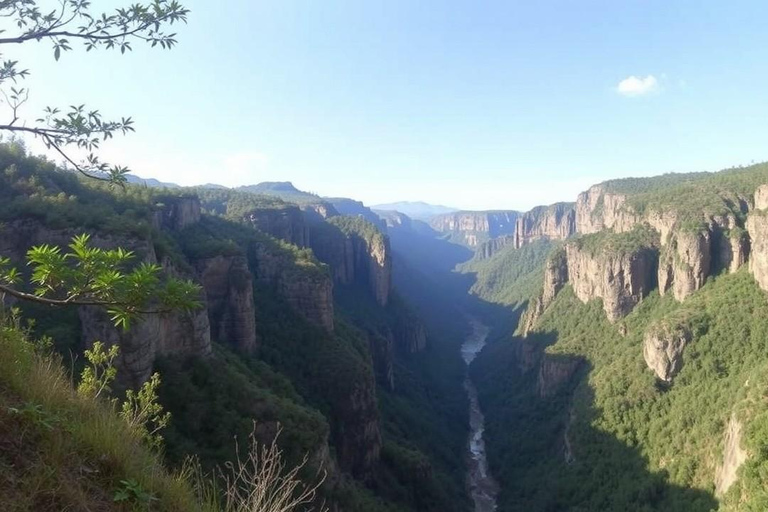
63, 451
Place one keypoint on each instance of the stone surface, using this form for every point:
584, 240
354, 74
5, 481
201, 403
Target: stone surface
287, 223
553, 222
733, 457
663, 346
620, 279
555, 372
228, 286
176, 213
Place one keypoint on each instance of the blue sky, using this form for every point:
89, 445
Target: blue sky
475, 104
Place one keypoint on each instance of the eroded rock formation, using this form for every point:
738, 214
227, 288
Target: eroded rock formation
553, 222
228, 286
663, 346
286, 223
555, 372
733, 457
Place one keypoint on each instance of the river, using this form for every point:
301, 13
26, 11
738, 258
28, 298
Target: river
482, 487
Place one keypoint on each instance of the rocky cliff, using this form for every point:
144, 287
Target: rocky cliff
555, 372
356, 431
490, 247
757, 227
287, 223
663, 346
473, 228
553, 222
619, 274
176, 213
310, 292
357, 253
228, 286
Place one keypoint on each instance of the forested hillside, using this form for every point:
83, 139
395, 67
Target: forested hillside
300, 328
635, 380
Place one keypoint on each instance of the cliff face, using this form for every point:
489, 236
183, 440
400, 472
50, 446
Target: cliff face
228, 286
149, 337
757, 226
620, 279
309, 293
733, 457
176, 213
472, 228
356, 432
597, 209
554, 373
554, 222
354, 258
488, 248
663, 347
286, 223
555, 277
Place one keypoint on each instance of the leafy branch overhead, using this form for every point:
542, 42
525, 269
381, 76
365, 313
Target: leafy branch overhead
71, 22
89, 276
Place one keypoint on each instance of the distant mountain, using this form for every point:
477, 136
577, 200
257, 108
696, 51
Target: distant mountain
150, 182
284, 190
416, 209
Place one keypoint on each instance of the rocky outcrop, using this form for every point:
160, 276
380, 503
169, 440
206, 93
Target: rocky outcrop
286, 223
354, 208
309, 292
383, 356
757, 227
394, 219
555, 277
356, 257
620, 278
318, 212
554, 373
473, 228
597, 209
554, 222
176, 213
663, 347
152, 335
228, 286
685, 263
733, 457
183, 333
487, 249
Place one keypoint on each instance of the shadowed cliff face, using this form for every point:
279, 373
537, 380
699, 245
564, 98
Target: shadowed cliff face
287, 223
228, 286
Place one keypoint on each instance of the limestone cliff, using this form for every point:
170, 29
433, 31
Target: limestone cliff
597, 209
490, 247
553, 222
757, 226
555, 277
287, 223
176, 213
309, 292
473, 228
621, 276
663, 346
733, 457
357, 253
228, 286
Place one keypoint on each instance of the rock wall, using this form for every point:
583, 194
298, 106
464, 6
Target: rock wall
733, 457
554, 222
663, 346
472, 228
354, 259
287, 223
176, 213
228, 286
309, 293
554, 373
621, 279
490, 247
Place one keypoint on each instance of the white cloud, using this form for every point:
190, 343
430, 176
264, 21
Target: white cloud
638, 86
